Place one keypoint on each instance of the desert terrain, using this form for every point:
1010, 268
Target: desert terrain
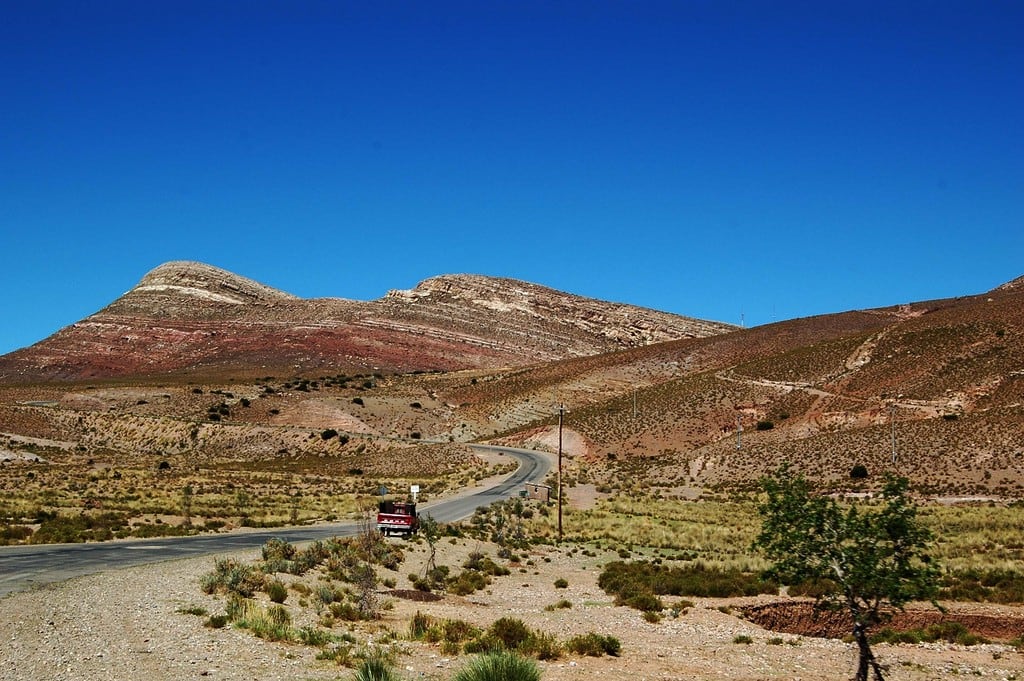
202, 403
131, 624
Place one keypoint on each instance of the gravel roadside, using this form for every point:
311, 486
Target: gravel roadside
128, 625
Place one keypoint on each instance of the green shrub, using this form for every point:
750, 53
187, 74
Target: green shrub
346, 612
503, 666
561, 583
375, 668
278, 615
13, 534
231, 577
626, 580
276, 590
236, 607
216, 621
813, 588
278, 549
511, 632
481, 563
340, 654
544, 646
890, 635
271, 624
467, 582
420, 625
742, 639
483, 645
952, 632
457, 631
448, 632
644, 602
314, 636
594, 645
147, 531
511, 635
326, 594
59, 529
993, 586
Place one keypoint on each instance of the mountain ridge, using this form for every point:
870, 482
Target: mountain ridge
192, 317
933, 390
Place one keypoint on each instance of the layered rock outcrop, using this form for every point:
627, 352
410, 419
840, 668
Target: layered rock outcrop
186, 317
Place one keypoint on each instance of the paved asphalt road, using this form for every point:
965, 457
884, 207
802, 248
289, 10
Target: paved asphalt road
22, 567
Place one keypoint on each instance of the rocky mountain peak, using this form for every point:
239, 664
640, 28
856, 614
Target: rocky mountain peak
188, 316
183, 290
205, 282
569, 319
477, 288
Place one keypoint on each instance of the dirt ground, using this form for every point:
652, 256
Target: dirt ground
128, 625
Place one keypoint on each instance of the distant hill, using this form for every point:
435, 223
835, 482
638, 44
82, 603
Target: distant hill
940, 383
215, 371
191, 319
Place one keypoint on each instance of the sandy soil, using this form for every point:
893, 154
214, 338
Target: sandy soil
127, 625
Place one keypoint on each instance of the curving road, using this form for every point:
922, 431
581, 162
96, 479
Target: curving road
22, 567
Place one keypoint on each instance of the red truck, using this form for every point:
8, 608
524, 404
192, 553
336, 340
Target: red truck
397, 517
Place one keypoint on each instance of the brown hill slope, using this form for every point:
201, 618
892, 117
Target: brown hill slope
193, 319
944, 379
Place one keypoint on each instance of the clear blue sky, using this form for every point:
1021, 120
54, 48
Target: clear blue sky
715, 159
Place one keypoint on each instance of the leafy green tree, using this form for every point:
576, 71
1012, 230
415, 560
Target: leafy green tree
873, 557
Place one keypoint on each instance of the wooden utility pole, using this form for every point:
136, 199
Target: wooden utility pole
561, 410
892, 428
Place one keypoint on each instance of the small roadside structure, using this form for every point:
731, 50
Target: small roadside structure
538, 492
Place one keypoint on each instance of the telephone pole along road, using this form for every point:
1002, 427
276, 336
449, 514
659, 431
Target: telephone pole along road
23, 567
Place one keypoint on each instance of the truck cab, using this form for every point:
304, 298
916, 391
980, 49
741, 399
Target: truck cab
397, 517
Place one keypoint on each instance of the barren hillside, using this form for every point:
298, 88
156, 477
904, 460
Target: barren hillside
939, 382
192, 319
